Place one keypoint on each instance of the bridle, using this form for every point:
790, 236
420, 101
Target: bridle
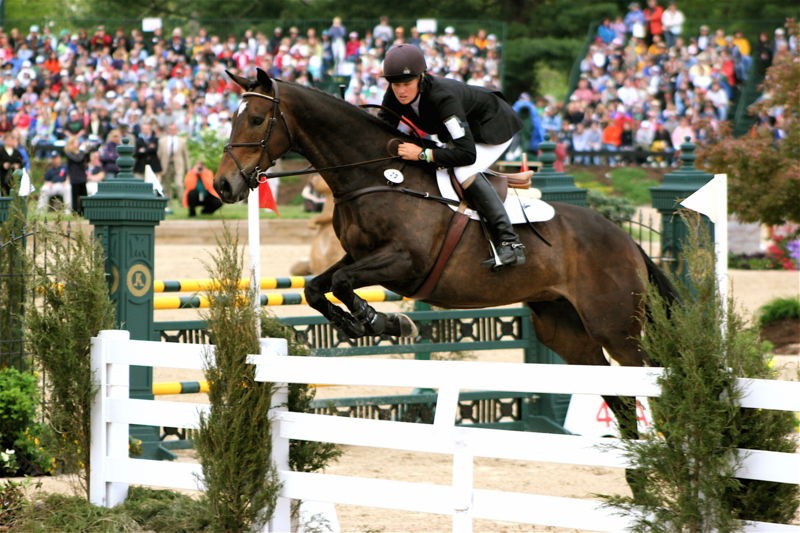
258, 176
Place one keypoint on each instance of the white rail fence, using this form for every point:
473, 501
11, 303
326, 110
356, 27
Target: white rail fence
112, 470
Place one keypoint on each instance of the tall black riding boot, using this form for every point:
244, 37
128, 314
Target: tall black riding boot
482, 197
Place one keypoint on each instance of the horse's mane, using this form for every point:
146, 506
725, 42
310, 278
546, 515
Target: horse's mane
341, 106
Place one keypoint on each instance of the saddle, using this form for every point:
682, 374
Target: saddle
502, 182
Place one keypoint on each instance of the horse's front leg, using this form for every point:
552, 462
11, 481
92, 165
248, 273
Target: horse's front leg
383, 265
315, 291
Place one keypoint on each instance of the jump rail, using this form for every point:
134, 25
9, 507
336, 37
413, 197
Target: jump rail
112, 470
209, 284
200, 301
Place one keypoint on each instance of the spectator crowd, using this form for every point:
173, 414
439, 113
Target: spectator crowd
646, 82
96, 87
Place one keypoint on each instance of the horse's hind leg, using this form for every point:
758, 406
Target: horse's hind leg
559, 327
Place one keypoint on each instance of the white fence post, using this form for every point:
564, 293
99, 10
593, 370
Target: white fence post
109, 440
282, 518
463, 482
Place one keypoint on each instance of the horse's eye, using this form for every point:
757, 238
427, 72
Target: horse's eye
256, 121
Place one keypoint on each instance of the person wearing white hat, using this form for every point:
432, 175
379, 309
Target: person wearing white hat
56, 183
451, 40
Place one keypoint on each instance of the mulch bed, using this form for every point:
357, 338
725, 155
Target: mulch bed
784, 335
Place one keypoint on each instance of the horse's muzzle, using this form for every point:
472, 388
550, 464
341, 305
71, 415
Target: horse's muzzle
228, 190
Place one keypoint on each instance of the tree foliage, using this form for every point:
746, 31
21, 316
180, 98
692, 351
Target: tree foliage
69, 305
234, 440
12, 285
690, 457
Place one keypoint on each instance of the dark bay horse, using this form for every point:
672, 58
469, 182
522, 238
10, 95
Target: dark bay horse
585, 286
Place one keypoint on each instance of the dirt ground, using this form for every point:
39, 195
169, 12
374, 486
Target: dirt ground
176, 261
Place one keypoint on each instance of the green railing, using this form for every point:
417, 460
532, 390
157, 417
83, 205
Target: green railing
439, 331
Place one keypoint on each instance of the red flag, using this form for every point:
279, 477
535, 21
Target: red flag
265, 198
524, 166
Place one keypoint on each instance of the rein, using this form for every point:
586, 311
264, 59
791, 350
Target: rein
388, 188
258, 176
312, 170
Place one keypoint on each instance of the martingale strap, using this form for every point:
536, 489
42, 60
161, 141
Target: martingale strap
458, 223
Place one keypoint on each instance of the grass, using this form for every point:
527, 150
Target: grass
631, 183
586, 179
226, 212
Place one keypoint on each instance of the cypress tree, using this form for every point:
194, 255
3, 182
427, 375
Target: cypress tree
234, 440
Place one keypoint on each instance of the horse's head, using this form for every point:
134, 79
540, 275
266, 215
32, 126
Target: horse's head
259, 136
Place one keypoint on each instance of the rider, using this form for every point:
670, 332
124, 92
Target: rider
476, 125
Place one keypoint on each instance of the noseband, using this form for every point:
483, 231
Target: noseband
257, 175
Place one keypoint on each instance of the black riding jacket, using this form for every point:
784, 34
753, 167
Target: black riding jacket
483, 115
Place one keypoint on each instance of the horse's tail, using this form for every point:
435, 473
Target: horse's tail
660, 281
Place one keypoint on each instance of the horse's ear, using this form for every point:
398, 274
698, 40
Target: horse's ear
263, 78
242, 82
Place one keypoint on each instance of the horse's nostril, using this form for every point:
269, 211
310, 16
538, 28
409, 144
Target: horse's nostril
223, 187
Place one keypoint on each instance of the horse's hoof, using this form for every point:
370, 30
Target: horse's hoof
399, 325
405, 325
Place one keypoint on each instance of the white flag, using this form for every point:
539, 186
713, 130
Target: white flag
25, 185
150, 177
711, 199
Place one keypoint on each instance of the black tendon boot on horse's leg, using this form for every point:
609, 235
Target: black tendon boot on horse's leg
508, 250
376, 323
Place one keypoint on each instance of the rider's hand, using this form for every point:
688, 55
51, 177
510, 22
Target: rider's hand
409, 151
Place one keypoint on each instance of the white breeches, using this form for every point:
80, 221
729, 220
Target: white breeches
485, 156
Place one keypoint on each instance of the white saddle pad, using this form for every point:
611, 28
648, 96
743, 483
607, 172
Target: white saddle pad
522, 205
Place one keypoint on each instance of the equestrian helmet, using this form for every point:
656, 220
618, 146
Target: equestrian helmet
403, 62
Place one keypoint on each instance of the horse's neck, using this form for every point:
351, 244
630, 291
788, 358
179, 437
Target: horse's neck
329, 135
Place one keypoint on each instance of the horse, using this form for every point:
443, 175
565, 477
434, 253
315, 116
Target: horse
585, 278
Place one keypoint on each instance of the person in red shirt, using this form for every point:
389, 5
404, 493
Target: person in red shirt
612, 138
22, 122
352, 48
52, 64
652, 15
100, 39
